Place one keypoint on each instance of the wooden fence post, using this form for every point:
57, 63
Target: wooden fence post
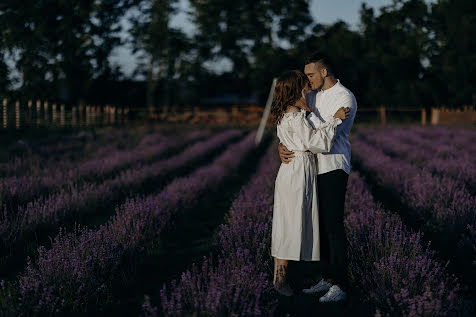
423, 116
165, 112
383, 119
53, 112
435, 115
5, 114
73, 116
113, 114
62, 119
81, 113
38, 107
17, 115
45, 114
88, 115
235, 114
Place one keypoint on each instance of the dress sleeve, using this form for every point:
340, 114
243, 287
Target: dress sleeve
315, 121
317, 140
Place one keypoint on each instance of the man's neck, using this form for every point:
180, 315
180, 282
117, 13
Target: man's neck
329, 82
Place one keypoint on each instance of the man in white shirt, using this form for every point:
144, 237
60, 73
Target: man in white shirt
326, 97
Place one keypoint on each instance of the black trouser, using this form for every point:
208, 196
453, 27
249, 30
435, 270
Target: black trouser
331, 191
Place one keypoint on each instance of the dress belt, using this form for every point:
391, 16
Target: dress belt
302, 153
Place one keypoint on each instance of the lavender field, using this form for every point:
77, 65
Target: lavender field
153, 222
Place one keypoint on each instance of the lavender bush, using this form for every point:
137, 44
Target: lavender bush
20, 190
443, 203
80, 266
438, 156
67, 152
459, 136
389, 263
69, 203
468, 242
237, 280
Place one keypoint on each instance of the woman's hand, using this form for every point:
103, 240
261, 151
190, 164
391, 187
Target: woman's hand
305, 91
342, 113
302, 104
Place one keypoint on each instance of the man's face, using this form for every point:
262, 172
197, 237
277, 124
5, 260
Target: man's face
315, 74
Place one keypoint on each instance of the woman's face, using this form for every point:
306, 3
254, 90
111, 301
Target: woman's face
306, 89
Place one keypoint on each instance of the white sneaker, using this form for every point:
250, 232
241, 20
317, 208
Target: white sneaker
334, 294
319, 287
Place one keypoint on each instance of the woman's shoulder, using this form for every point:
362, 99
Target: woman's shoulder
294, 112
292, 109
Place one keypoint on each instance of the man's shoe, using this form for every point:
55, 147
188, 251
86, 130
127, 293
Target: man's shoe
322, 286
334, 294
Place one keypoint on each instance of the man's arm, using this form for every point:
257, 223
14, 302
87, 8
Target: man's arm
285, 154
345, 100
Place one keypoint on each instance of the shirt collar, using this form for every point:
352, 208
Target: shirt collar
330, 89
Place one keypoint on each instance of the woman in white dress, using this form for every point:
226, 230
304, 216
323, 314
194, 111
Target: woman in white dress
295, 228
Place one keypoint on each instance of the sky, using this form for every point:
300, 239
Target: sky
323, 11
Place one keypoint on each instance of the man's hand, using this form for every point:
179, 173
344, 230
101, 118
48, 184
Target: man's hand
285, 154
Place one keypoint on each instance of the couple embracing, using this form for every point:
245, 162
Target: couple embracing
314, 114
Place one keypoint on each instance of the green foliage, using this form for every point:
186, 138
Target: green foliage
246, 31
60, 44
395, 46
162, 47
411, 53
453, 58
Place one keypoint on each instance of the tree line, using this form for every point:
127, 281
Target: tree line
409, 53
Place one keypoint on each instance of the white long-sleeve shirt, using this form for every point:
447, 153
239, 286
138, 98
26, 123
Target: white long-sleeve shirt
324, 104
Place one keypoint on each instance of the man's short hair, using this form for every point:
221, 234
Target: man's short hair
323, 59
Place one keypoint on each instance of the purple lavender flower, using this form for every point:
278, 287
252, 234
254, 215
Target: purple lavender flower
70, 202
390, 263
237, 280
80, 265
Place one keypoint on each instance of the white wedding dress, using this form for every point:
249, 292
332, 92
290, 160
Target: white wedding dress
295, 228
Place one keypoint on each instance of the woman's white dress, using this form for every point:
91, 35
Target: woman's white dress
295, 229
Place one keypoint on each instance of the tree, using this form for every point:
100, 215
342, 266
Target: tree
247, 31
59, 42
453, 59
395, 45
161, 45
4, 71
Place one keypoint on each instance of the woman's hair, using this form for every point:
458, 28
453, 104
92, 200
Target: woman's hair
288, 90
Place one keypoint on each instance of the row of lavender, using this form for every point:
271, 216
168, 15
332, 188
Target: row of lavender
389, 263
237, 281
19, 190
78, 271
79, 200
35, 173
68, 151
450, 154
440, 201
459, 136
